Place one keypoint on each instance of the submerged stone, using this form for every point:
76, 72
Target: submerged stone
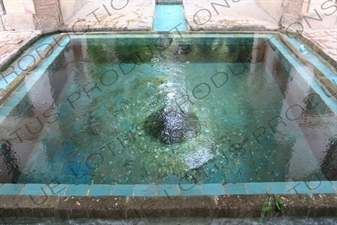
171, 125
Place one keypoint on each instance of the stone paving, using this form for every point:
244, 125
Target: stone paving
242, 15
12, 41
133, 15
325, 39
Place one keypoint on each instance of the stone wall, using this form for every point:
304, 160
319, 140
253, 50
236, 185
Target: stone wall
45, 15
19, 15
273, 8
313, 14
292, 12
285, 12
48, 15
70, 7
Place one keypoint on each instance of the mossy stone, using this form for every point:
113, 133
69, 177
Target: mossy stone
171, 125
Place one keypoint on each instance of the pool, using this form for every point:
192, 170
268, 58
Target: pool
82, 113
78, 127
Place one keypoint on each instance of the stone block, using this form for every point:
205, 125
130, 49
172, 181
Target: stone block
48, 24
14, 6
18, 22
28, 6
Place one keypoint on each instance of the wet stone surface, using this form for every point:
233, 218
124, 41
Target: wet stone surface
171, 125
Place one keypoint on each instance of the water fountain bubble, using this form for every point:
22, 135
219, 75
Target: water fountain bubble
171, 125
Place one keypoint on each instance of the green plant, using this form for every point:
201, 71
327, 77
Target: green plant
273, 203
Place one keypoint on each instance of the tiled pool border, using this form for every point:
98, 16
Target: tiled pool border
234, 198
128, 190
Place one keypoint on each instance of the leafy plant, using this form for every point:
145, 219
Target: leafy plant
273, 203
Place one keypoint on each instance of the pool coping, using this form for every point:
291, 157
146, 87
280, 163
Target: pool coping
15, 55
15, 84
134, 208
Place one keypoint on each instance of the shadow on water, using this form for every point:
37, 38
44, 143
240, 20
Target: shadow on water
9, 161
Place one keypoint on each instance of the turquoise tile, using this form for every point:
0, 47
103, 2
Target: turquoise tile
11, 103
11, 189
122, 190
145, 190
311, 57
100, 190
23, 89
77, 190
327, 72
190, 189
64, 42
212, 189
45, 65
5, 111
322, 187
20, 95
168, 190
256, 188
30, 83
25, 60
244, 36
334, 185
56, 189
33, 189
3, 81
278, 188
238, 188
299, 188
9, 78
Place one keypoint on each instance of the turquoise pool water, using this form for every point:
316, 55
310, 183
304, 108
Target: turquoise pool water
265, 125
169, 17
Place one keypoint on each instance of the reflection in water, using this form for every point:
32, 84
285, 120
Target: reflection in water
329, 164
225, 119
9, 160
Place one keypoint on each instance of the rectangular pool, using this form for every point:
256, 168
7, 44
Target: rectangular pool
88, 115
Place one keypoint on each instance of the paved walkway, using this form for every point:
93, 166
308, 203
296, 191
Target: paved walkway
242, 15
325, 39
127, 15
12, 41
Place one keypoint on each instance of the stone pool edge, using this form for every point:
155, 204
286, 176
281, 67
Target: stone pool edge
309, 199
18, 81
116, 207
